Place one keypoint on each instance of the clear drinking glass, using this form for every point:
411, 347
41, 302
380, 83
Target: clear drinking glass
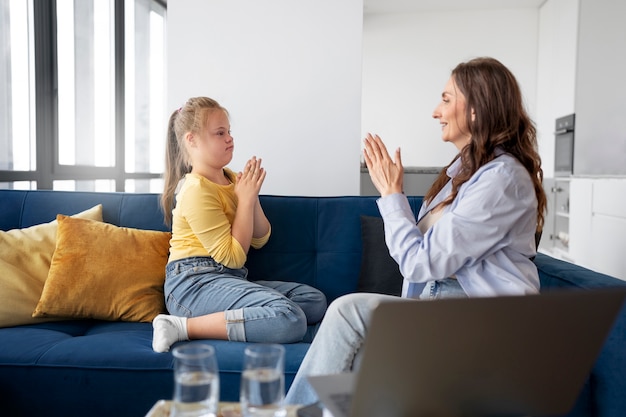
196, 381
263, 381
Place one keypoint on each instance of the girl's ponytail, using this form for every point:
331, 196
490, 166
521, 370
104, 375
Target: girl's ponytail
175, 168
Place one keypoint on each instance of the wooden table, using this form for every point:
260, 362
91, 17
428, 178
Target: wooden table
226, 409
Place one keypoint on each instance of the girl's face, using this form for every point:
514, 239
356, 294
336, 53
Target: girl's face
451, 114
213, 146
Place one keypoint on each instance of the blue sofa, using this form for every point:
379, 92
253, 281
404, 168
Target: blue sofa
98, 368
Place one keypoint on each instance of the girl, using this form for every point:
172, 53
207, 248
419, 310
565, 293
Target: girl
475, 234
216, 219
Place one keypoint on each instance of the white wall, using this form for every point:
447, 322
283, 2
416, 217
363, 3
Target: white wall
408, 57
600, 139
289, 72
556, 72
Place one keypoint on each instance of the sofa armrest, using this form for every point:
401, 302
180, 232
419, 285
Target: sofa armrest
555, 273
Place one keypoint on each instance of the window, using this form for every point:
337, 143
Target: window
17, 144
146, 117
97, 121
86, 82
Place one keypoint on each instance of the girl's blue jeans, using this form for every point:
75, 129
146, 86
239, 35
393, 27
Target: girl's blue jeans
261, 311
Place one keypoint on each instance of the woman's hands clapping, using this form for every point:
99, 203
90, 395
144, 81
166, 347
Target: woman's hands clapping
387, 175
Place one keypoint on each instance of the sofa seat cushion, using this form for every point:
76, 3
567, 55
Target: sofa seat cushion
88, 344
109, 353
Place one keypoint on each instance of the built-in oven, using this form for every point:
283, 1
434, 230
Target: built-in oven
564, 146
556, 224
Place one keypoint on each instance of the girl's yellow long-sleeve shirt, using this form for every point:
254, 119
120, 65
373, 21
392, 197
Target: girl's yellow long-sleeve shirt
202, 221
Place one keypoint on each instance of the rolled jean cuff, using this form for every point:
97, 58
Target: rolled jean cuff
235, 328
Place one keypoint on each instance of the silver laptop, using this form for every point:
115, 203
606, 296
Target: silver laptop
503, 356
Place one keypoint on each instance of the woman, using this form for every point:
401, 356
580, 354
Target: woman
475, 232
216, 219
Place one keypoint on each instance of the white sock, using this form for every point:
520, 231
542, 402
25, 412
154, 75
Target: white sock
167, 331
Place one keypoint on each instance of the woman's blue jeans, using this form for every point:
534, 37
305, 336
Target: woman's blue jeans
261, 311
337, 345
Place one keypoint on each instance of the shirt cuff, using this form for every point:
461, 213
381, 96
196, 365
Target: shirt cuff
259, 242
390, 205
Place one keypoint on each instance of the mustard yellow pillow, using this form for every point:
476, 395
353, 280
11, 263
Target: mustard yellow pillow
25, 256
101, 271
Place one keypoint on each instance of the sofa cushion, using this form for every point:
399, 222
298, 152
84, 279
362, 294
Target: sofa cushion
25, 257
102, 271
111, 361
379, 271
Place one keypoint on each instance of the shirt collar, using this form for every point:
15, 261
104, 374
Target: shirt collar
454, 169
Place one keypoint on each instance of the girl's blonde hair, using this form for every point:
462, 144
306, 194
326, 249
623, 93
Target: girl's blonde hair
192, 117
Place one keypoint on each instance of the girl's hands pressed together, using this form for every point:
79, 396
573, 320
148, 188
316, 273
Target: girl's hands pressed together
250, 221
387, 175
250, 180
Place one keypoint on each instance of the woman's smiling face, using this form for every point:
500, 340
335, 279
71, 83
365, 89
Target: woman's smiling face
451, 112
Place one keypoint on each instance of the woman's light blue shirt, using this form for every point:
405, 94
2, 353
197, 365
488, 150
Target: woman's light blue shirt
485, 237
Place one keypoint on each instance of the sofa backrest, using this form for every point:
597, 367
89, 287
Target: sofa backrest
315, 240
19, 209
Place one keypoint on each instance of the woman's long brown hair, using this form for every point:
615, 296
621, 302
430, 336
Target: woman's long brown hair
500, 121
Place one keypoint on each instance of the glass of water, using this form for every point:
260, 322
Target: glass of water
196, 381
263, 381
